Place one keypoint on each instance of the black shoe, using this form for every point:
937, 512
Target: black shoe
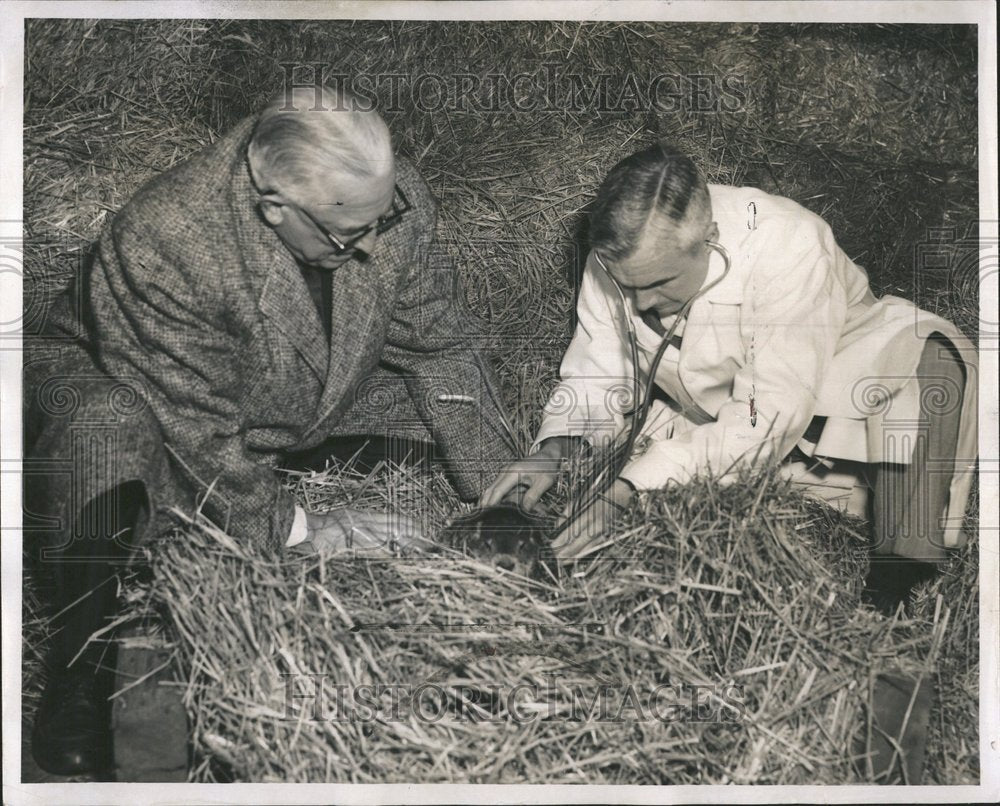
72, 731
891, 580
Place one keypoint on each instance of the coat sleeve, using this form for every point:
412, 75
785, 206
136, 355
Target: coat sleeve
792, 316
156, 318
430, 343
595, 384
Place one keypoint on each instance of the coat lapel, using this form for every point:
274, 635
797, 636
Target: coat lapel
276, 278
712, 323
704, 317
358, 292
285, 300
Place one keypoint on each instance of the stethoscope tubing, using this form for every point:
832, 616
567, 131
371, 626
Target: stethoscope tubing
640, 414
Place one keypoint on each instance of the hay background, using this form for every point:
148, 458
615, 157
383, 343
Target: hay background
873, 127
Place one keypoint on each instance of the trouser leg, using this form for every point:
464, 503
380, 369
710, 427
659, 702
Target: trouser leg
908, 505
72, 732
93, 452
85, 570
909, 500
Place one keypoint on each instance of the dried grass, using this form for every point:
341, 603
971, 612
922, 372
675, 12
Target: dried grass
746, 585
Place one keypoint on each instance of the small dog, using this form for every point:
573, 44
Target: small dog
504, 535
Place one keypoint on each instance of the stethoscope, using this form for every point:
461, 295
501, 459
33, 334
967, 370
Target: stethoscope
622, 453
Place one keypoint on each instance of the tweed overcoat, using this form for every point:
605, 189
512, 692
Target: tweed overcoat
193, 297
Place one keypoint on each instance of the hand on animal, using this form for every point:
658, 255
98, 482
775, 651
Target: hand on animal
355, 530
537, 473
584, 534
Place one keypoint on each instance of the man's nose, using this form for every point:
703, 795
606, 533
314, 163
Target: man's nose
644, 300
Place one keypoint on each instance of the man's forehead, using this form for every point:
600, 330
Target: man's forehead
357, 203
647, 266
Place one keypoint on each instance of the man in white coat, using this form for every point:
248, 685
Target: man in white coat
778, 351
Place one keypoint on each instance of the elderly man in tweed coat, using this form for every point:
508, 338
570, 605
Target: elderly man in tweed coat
274, 290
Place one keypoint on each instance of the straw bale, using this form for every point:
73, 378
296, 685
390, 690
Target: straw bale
746, 591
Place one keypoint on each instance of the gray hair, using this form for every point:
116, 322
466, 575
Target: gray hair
657, 190
304, 142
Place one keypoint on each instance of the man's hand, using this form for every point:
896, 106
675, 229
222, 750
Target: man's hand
369, 532
537, 472
588, 530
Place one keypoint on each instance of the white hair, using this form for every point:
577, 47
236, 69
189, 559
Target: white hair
306, 140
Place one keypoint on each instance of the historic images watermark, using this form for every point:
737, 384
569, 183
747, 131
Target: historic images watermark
548, 89
567, 687
966, 261
317, 698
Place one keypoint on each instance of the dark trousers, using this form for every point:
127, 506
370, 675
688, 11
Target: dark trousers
909, 500
85, 573
906, 501
91, 445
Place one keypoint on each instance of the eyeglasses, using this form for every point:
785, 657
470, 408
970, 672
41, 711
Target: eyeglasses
400, 205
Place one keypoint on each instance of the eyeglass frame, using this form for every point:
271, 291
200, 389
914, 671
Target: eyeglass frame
382, 224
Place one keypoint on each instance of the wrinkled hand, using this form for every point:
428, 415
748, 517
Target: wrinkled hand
538, 472
352, 530
590, 528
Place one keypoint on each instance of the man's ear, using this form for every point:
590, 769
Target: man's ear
273, 212
255, 175
713, 232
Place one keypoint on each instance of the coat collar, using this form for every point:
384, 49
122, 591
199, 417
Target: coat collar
276, 279
283, 297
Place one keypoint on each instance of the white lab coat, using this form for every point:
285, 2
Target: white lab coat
795, 324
